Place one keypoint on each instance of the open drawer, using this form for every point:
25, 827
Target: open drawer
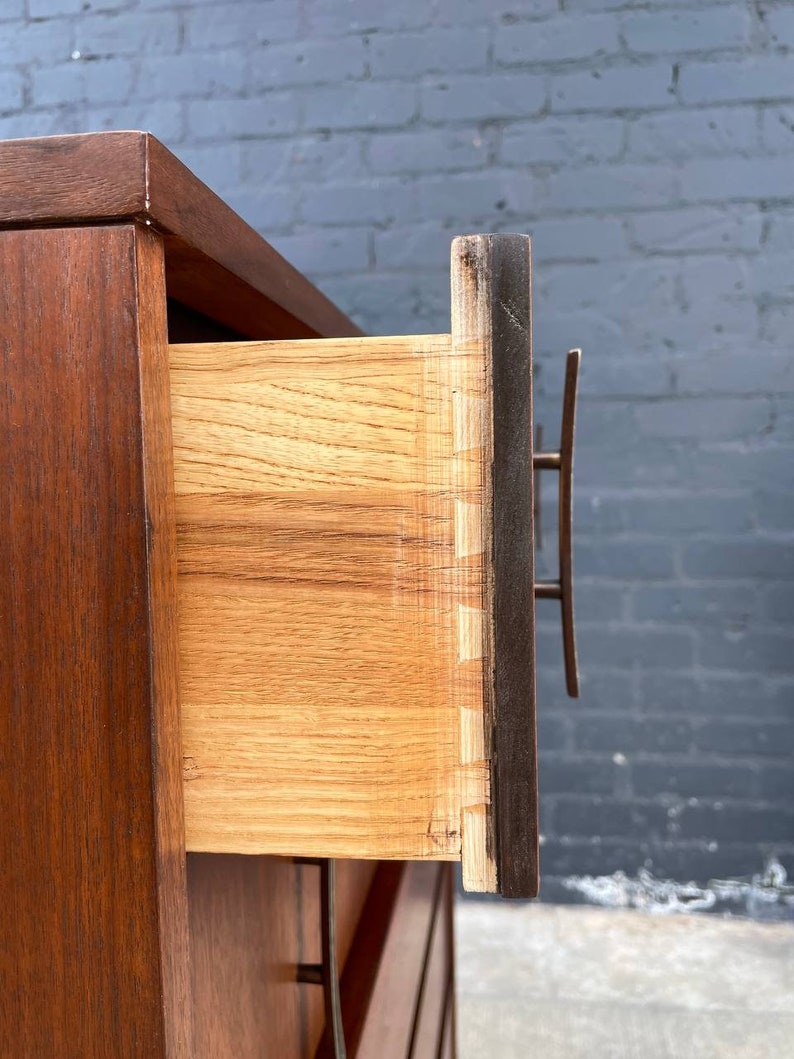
356, 586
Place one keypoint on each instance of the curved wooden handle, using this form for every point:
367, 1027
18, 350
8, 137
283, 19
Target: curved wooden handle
562, 461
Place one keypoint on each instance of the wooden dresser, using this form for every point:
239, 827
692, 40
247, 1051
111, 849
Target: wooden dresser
196, 833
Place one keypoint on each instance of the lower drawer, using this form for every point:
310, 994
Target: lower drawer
397, 979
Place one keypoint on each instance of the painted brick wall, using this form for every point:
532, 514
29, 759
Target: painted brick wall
650, 149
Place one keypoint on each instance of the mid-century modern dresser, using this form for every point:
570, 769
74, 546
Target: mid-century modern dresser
266, 621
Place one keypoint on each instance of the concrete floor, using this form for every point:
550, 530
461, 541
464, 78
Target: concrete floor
567, 982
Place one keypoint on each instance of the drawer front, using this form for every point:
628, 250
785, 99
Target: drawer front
356, 588
437, 983
404, 1011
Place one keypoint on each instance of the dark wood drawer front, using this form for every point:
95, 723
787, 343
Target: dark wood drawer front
397, 997
436, 986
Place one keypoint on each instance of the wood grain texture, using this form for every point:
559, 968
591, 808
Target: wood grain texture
157, 447
216, 263
397, 996
329, 633
245, 925
253, 919
491, 310
93, 955
428, 1030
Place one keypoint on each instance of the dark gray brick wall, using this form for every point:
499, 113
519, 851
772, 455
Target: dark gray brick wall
649, 147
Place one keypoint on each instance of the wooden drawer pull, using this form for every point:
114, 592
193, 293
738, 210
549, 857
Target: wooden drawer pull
562, 462
326, 973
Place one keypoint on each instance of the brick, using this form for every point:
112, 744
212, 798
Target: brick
350, 203
50, 122
466, 12
719, 695
591, 855
617, 88
745, 467
739, 559
773, 508
777, 129
599, 514
700, 228
308, 63
38, 43
54, 8
716, 278
224, 118
266, 209
595, 602
695, 604
779, 22
424, 246
164, 119
779, 603
314, 159
127, 33
326, 252
578, 239
732, 823
745, 178
612, 187
479, 198
478, 98
10, 90
633, 735
98, 82
357, 106
668, 692
413, 151
220, 25
622, 376
218, 165
735, 373
207, 74
718, 418
612, 687
552, 731
756, 651
768, 279
568, 141
691, 132
704, 30
581, 37
680, 514
776, 323
433, 51
627, 645
560, 775
746, 738
611, 5
776, 783
334, 17
780, 235
382, 303
736, 81
702, 780
744, 696
577, 816
704, 861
